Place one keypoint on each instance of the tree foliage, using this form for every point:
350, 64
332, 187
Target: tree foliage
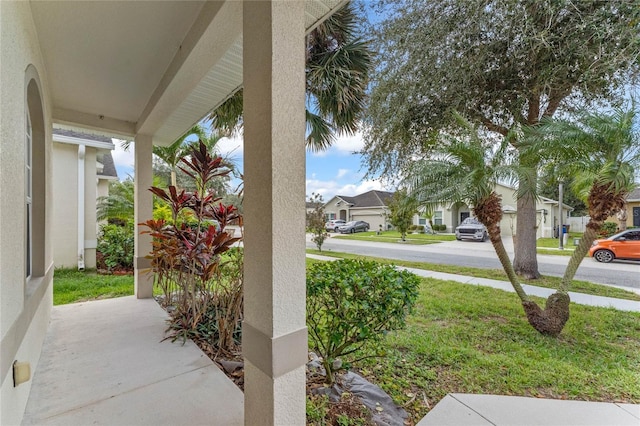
402, 208
338, 62
504, 64
316, 221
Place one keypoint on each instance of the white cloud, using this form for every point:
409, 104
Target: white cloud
343, 145
342, 173
233, 146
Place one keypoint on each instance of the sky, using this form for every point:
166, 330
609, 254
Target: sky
337, 171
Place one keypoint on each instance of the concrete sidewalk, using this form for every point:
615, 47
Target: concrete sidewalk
104, 363
497, 410
579, 298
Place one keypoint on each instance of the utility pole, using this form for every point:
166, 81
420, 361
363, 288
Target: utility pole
560, 226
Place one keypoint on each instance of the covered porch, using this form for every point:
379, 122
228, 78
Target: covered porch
147, 72
104, 362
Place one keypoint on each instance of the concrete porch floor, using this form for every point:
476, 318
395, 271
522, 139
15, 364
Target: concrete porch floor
103, 363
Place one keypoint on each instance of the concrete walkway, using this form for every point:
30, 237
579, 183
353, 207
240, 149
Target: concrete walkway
103, 363
579, 298
485, 410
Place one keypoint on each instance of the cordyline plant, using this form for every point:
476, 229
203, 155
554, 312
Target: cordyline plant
186, 254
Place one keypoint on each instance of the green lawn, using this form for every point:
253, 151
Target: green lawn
395, 237
496, 274
470, 339
71, 286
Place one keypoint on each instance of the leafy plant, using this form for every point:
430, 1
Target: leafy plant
608, 229
402, 208
315, 221
116, 244
353, 302
187, 253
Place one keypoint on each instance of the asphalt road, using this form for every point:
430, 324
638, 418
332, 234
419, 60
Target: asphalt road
481, 255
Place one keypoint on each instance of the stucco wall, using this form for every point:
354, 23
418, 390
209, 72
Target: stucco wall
90, 194
24, 307
65, 205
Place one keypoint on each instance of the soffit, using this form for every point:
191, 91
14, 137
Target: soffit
149, 67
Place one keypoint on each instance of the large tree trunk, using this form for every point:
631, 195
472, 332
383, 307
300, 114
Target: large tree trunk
525, 262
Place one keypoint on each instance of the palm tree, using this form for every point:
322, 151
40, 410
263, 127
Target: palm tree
118, 205
466, 170
337, 74
171, 154
601, 151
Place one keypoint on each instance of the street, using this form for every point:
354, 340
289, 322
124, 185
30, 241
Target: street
482, 255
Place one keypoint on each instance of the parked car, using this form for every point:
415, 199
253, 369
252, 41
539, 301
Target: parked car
471, 229
333, 225
625, 245
354, 226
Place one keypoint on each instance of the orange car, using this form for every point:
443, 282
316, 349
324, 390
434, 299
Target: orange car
625, 245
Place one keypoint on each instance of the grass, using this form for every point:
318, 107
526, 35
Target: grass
496, 274
476, 340
70, 286
395, 237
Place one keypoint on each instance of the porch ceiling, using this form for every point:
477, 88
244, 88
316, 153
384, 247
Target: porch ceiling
144, 67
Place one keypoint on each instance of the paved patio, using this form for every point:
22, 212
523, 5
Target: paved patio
103, 363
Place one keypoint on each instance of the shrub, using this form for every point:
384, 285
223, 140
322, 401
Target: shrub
608, 229
190, 259
115, 243
441, 227
353, 302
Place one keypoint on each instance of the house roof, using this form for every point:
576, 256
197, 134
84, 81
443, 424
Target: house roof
64, 135
368, 199
634, 195
108, 166
80, 135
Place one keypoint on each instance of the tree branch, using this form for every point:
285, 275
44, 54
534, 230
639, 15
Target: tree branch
493, 127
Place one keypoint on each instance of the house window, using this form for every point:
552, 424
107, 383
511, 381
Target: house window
437, 217
330, 216
422, 221
29, 194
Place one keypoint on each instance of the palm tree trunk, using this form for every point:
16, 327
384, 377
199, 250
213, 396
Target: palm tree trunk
173, 178
503, 256
579, 253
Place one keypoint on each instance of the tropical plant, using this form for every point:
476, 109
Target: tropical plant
172, 154
504, 64
316, 221
402, 208
351, 303
118, 205
187, 257
337, 70
602, 152
466, 169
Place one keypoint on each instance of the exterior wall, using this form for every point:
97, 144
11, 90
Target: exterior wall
90, 194
25, 305
65, 205
630, 206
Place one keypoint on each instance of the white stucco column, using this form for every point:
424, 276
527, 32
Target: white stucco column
274, 335
143, 211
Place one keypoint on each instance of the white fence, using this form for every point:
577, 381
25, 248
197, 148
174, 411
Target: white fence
577, 224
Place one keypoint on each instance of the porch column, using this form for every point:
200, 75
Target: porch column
143, 211
274, 335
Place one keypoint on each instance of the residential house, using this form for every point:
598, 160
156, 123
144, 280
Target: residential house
370, 206
147, 71
547, 214
82, 169
632, 209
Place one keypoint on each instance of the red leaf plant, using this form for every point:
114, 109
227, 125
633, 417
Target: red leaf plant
186, 256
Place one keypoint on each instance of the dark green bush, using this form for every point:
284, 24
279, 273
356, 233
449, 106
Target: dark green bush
115, 243
442, 227
353, 302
